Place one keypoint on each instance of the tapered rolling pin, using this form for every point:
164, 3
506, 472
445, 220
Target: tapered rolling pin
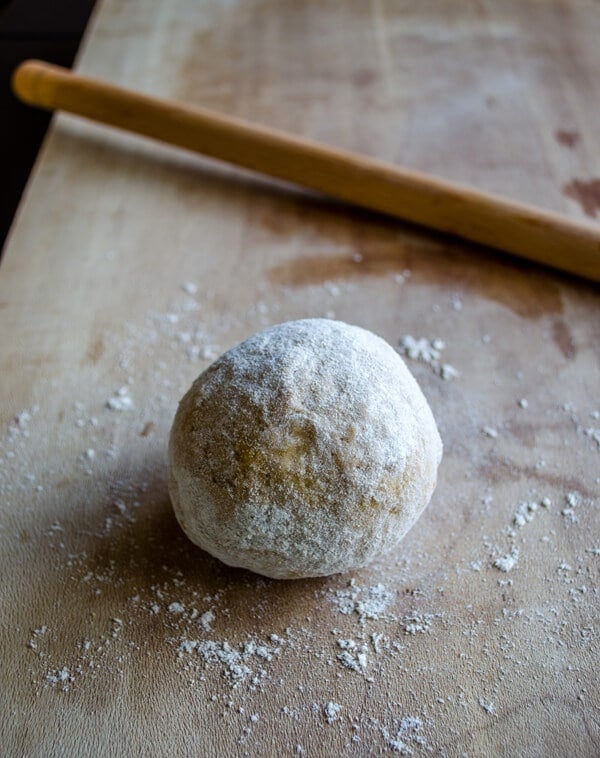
523, 230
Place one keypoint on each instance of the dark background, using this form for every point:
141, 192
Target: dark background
46, 29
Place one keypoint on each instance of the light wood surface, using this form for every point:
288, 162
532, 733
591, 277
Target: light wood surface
532, 233
500, 96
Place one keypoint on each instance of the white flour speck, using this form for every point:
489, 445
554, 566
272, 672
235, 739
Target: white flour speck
506, 562
408, 733
366, 602
429, 352
61, 676
525, 513
332, 711
121, 400
206, 620
487, 707
353, 656
417, 623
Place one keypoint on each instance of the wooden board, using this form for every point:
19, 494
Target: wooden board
99, 586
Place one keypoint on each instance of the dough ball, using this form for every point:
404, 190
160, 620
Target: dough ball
306, 450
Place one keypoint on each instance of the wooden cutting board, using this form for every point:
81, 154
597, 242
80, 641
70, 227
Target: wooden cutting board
131, 265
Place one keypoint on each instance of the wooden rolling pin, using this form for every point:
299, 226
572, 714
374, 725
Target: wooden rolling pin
517, 228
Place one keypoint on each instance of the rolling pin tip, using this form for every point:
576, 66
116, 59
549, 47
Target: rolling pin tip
26, 80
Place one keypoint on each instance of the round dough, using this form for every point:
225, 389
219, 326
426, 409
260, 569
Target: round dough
306, 450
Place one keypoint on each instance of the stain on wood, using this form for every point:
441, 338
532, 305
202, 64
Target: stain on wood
508, 284
563, 338
148, 429
586, 193
96, 350
566, 137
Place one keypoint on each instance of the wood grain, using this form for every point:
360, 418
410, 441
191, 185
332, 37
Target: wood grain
92, 300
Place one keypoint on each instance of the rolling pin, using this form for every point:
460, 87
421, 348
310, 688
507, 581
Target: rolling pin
524, 230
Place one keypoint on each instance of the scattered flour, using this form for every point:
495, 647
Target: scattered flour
573, 500
489, 431
421, 349
60, 677
366, 602
332, 711
206, 621
120, 401
407, 736
237, 662
456, 302
526, 512
20, 423
448, 372
37, 633
507, 562
189, 288
427, 351
487, 707
353, 655
417, 623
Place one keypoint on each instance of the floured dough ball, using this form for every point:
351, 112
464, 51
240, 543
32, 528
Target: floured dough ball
304, 451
